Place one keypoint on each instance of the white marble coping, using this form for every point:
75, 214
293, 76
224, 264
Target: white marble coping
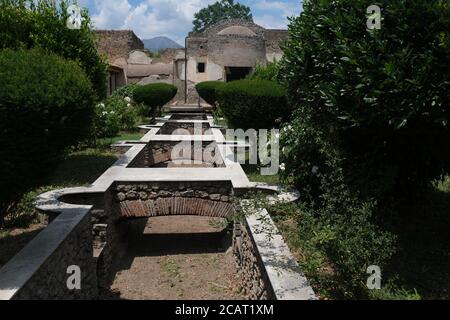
286, 278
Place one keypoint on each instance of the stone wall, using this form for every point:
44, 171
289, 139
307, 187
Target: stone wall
231, 43
117, 44
50, 280
256, 284
174, 198
192, 153
187, 128
237, 51
265, 263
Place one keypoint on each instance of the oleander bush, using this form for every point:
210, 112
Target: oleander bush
370, 128
207, 91
114, 115
154, 95
46, 106
26, 24
126, 91
258, 104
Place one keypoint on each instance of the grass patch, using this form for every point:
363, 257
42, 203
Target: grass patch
106, 142
79, 168
171, 268
82, 167
254, 174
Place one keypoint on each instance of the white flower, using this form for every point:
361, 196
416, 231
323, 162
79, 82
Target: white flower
128, 105
282, 167
101, 105
104, 113
127, 99
289, 127
277, 136
314, 170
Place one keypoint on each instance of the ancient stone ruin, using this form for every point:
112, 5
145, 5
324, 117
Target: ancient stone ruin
86, 224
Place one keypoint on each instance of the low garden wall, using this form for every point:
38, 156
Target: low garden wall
41, 270
267, 267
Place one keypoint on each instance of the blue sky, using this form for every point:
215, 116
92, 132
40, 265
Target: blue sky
173, 18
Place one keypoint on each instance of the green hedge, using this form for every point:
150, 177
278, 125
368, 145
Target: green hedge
46, 106
258, 104
155, 95
26, 24
207, 91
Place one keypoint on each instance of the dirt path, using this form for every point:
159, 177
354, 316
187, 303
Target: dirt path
177, 258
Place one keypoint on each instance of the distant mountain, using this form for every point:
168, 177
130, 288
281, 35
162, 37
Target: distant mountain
159, 43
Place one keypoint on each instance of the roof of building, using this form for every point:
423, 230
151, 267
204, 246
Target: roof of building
145, 70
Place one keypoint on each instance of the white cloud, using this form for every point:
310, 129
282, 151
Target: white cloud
149, 18
111, 13
173, 18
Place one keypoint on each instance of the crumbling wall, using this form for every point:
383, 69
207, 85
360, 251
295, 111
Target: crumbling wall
117, 44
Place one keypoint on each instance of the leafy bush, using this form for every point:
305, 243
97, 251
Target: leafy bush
207, 91
42, 23
46, 105
370, 122
336, 246
155, 95
379, 97
265, 72
257, 104
126, 91
115, 114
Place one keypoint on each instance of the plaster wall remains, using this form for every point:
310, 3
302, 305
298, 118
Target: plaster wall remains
231, 43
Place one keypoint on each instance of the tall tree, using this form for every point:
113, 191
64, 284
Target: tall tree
221, 10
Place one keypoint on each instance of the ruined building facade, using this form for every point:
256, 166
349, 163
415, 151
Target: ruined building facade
230, 49
226, 51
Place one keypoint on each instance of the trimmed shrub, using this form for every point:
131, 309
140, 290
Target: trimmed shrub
46, 106
257, 104
207, 91
155, 95
26, 24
